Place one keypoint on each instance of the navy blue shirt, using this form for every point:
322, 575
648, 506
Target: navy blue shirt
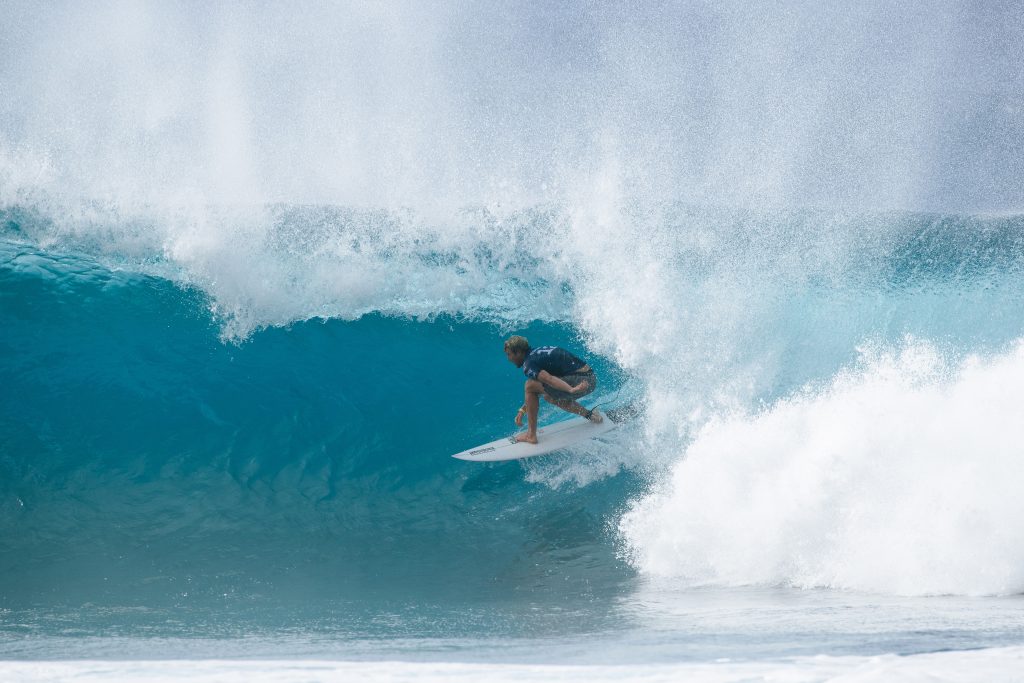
555, 360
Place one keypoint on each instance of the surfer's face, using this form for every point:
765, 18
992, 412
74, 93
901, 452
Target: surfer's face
515, 357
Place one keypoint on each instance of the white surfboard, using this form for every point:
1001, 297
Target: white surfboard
551, 438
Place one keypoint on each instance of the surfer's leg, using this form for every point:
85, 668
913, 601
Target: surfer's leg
566, 405
567, 401
531, 396
574, 408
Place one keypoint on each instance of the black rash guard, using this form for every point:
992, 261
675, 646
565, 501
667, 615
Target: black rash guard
557, 361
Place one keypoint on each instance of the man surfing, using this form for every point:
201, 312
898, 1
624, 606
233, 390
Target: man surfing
554, 372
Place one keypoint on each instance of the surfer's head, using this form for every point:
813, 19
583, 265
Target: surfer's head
516, 350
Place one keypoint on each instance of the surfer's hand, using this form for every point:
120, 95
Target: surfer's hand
579, 387
519, 418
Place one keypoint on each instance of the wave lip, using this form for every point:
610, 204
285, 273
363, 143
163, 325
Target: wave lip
901, 477
274, 265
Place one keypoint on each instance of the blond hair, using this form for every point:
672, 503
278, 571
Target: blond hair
517, 343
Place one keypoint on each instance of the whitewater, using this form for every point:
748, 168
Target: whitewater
257, 263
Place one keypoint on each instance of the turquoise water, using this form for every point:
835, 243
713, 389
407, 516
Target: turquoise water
170, 491
151, 463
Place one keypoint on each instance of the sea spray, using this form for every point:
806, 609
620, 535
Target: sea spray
898, 476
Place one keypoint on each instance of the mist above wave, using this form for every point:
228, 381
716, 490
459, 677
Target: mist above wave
882, 105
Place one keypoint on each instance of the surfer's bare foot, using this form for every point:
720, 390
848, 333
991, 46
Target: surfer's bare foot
595, 417
527, 437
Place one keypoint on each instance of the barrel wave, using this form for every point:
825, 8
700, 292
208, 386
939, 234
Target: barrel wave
146, 461
253, 295
175, 435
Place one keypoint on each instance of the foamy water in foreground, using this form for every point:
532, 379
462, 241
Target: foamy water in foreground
997, 665
655, 633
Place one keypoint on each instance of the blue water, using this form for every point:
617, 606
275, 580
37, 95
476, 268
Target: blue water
154, 463
162, 482
253, 295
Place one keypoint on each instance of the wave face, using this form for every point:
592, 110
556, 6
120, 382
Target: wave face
253, 295
166, 437
145, 461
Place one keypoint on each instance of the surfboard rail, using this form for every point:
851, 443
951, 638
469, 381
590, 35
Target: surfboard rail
552, 437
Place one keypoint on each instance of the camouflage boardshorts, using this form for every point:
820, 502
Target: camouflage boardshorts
572, 380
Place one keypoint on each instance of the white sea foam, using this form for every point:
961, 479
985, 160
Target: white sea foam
995, 665
901, 476
121, 139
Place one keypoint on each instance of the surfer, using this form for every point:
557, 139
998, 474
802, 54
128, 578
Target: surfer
554, 372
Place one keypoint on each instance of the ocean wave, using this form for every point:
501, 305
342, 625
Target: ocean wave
158, 464
898, 476
292, 364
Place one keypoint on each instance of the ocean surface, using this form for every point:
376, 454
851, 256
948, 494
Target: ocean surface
251, 301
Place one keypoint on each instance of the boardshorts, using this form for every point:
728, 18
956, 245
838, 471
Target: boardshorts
572, 380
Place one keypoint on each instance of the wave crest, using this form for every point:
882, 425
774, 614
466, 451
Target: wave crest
902, 476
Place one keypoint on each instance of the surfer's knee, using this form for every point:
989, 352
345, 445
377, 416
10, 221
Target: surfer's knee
534, 386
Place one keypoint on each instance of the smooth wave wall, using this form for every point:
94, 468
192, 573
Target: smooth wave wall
146, 461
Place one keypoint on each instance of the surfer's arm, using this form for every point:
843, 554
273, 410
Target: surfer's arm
558, 382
